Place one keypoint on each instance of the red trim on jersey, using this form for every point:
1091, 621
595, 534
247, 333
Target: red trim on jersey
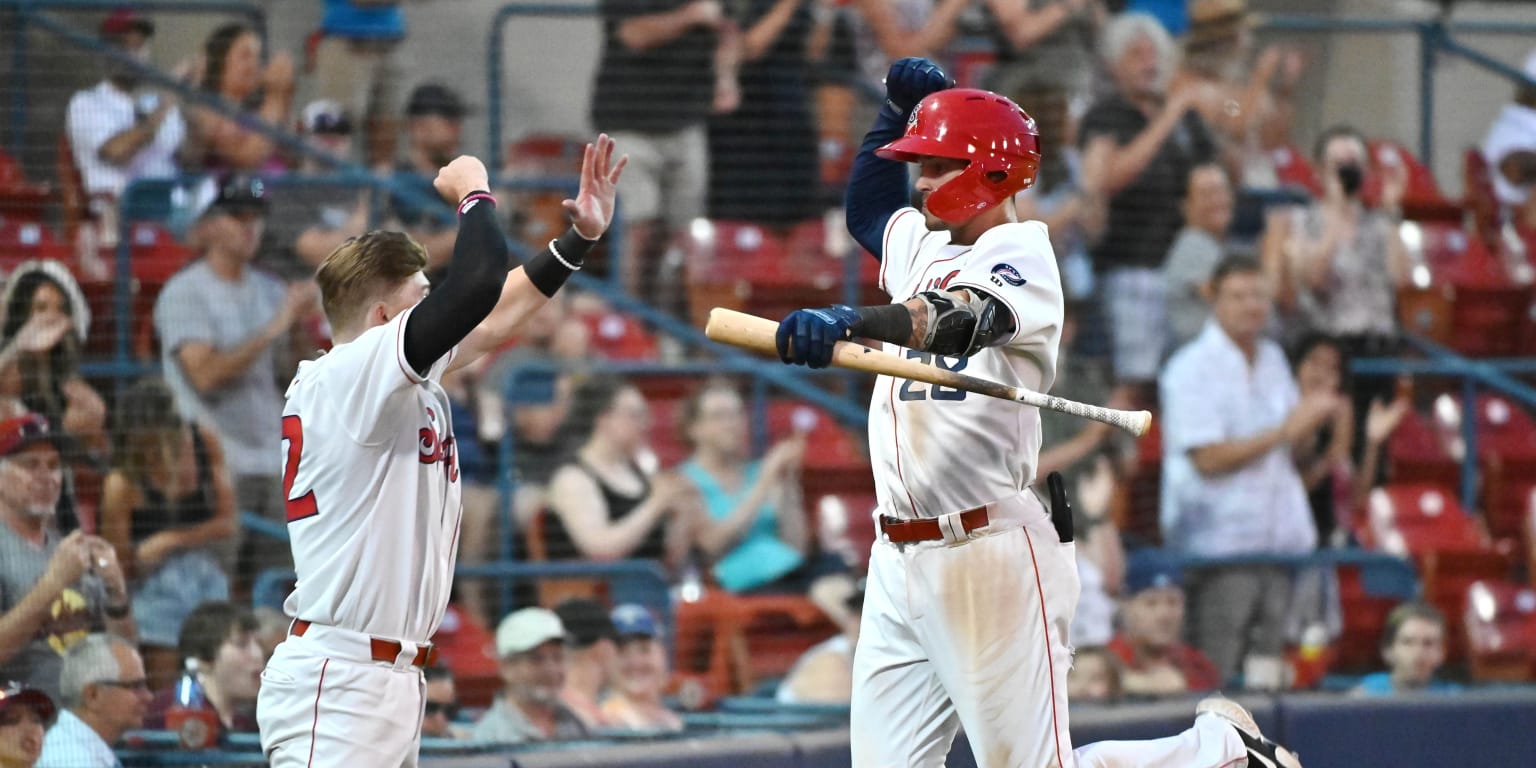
885, 246
896, 446
1050, 663
405, 367
316, 724
1235, 761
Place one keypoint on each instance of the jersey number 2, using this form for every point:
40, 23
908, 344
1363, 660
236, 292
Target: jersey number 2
915, 390
304, 506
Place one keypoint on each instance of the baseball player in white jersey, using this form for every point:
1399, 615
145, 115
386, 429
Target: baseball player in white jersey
971, 585
371, 475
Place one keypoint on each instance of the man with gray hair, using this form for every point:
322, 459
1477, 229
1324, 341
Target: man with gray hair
106, 694
1138, 147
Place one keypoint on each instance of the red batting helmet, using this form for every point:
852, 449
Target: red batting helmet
993, 133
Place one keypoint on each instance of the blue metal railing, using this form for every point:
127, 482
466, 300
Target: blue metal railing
1496, 374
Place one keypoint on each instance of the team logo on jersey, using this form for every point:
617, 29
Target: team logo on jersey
940, 283
431, 450
1008, 274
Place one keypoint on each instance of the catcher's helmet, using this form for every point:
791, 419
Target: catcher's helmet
993, 133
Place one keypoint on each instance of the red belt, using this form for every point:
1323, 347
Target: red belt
382, 650
927, 529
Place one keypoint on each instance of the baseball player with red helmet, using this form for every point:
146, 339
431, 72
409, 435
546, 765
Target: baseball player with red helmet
371, 474
971, 585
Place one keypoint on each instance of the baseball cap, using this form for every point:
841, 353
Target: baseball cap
585, 622
633, 620
18, 694
1151, 569
20, 432
526, 629
325, 116
435, 99
125, 20
238, 193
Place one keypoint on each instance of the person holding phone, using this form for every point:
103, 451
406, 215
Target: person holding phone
1346, 260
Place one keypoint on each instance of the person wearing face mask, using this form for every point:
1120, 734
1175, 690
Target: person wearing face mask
53, 591
1345, 260
116, 132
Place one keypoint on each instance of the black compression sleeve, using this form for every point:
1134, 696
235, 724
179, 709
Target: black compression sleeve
468, 294
885, 322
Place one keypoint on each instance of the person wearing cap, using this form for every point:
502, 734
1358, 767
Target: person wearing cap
434, 121
441, 710
1156, 661
116, 132
591, 658
357, 65
635, 703
1248, 102
53, 591
25, 715
106, 694
531, 645
310, 219
1510, 150
219, 322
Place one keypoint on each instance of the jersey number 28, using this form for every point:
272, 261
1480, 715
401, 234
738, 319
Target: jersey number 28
304, 506
916, 390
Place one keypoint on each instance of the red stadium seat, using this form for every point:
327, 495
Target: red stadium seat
726, 643
1506, 448
666, 437
1416, 453
1500, 620
1422, 200
21, 199
26, 240
1488, 305
468, 649
1295, 170
835, 459
617, 336
1411, 519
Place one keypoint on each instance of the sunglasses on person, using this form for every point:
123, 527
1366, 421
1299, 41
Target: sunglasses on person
449, 711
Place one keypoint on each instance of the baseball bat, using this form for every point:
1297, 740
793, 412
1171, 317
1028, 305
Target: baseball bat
757, 333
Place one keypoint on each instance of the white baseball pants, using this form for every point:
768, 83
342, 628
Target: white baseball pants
974, 633
324, 702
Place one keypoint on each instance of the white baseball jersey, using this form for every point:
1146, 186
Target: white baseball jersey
937, 450
372, 481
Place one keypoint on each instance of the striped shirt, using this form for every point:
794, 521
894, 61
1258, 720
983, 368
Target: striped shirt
71, 743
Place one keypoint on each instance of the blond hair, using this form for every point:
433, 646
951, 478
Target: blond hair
363, 270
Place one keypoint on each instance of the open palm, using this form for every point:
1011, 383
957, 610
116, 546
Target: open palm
592, 210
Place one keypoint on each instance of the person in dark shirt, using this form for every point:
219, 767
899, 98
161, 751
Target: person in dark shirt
1138, 147
666, 65
434, 122
223, 638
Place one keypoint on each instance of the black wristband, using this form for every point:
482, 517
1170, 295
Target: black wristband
480, 194
556, 263
885, 322
118, 611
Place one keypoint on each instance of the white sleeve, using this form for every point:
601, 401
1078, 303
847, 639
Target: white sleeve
1014, 264
371, 383
89, 127
903, 237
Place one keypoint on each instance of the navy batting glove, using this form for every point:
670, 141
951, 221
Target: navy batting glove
806, 336
912, 78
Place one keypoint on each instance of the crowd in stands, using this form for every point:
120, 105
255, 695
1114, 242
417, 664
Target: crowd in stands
1202, 281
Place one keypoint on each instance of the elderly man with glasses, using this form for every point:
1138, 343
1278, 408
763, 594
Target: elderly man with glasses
106, 694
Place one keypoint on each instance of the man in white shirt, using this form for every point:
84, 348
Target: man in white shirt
117, 133
106, 692
1230, 414
1510, 148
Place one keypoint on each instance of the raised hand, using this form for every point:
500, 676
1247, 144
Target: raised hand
912, 78
41, 332
592, 210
